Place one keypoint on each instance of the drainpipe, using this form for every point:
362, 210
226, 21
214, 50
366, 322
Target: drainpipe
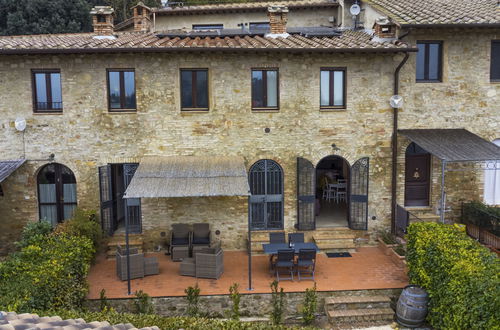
395, 144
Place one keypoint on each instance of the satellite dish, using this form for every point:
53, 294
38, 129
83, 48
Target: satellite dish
396, 101
355, 9
20, 124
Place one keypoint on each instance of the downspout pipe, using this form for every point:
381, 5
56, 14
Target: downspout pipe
395, 145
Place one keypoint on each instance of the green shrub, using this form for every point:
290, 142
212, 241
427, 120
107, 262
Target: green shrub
235, 296
278, 302
164, 323
49, 274
310, 305
143, 303
34, 232
461, 277
193, 298
83, 223
103, 300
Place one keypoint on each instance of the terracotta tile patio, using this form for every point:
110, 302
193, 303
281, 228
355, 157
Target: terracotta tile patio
367, 269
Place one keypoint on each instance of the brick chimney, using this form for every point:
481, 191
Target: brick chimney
142, 20
102, 20
277, 19
384, 28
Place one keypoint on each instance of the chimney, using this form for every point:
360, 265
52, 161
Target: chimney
384, 28
142, 20
277, 19
102, 20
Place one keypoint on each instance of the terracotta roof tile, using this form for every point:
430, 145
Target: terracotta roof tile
434, 12
144, 42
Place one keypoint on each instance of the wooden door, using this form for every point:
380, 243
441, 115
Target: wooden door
266, 200
358, 199
106, 196
306, 194
417, 179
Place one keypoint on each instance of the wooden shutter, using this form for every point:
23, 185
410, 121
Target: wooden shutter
306, 194
358, 200
132, 205
106, 195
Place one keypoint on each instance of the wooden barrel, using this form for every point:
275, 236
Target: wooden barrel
411, 309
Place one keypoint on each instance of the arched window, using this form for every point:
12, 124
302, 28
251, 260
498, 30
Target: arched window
56, 193
266, 201
492, 183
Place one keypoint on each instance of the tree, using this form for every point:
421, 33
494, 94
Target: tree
44, 16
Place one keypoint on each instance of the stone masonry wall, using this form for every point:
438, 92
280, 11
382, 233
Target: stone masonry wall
464, 99
86, 135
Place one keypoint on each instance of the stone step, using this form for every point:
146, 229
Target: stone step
328, 244
332, 235
343, 316
358, 302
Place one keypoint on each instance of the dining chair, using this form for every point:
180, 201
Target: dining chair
285, 260
277, 237
296, 238
306, 263
341, 193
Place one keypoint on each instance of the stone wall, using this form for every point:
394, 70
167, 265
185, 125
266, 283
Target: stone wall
464, 99
86, 135
296, 18
254, 305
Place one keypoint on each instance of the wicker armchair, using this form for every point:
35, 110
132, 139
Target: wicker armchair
136, 264
209, 263
180, 236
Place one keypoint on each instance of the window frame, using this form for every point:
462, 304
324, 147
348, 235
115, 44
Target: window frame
194, 89
331, 83
48, 90
426, 62
207, 27
496, 79
264, 79
122, 90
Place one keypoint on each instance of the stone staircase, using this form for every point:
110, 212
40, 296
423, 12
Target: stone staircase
337, 239
349, 311
422, 214
135, 241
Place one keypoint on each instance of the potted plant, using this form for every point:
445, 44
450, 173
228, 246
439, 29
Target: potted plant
398, 255
386, 242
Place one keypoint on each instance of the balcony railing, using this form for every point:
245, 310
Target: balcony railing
483, 224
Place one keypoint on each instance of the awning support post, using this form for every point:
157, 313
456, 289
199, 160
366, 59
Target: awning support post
443, 194
127, 247
249, 250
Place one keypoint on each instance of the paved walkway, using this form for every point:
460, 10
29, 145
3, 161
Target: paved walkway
367, 269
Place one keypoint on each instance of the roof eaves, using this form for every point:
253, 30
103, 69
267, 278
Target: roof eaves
451, 25
200, 49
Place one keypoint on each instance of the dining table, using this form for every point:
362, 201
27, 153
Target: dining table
272, 248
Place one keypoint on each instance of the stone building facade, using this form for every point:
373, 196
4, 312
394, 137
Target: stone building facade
86, 135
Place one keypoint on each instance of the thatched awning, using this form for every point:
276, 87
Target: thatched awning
189, 176
7, 167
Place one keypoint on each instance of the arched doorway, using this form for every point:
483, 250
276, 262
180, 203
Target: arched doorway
266, 200
56, 193
417, 176
332, 192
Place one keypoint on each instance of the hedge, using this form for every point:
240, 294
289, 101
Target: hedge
49, 270
167, 323
461, 276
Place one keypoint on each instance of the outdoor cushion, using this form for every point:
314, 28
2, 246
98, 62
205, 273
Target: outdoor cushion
201, 240
179, 241
305, 263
